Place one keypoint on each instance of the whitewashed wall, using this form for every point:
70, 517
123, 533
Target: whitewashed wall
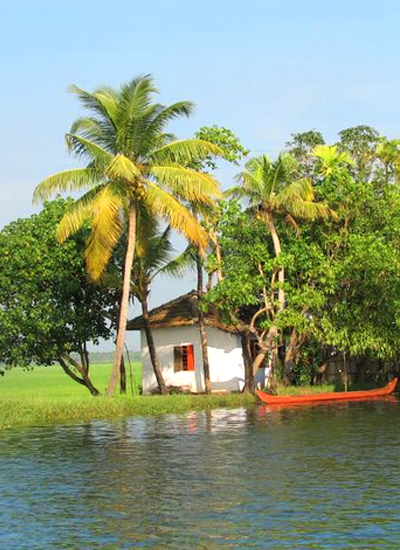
224, 351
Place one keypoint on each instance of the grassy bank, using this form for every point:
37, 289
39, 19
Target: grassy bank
46, 395
40, 411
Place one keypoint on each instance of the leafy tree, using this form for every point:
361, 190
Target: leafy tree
360, 142
271, 192
48, 308
228, 143
300, 147
388, 153
131, 160
247, 296
361, 311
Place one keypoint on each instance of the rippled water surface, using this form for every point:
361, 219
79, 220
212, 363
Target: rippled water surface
319, 477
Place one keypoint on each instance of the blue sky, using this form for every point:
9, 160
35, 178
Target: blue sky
263, 68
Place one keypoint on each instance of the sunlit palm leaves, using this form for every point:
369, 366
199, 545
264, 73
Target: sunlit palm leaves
126, 148
131, 162
272, 188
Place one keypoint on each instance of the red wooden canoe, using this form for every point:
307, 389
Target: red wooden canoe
333, 396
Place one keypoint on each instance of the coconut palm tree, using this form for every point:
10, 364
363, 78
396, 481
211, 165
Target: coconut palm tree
130, 160
273, 190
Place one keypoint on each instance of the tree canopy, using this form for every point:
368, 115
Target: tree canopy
49, 310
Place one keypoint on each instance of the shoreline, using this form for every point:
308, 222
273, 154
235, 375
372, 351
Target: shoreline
17, 412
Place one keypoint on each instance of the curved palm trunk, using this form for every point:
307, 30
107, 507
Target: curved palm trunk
130, 252
217, 249
281, 273
202, 328
152, 349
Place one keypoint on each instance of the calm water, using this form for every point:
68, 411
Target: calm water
319, 477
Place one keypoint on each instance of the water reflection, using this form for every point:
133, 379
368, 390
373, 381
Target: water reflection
302, 477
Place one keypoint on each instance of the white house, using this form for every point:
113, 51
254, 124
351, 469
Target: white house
176, 336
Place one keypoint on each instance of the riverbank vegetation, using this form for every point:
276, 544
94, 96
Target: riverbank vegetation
41, 411
44, 395
301, 253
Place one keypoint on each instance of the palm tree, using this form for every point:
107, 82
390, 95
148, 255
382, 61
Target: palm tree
331, 161
273, 190
130, 160
153, 257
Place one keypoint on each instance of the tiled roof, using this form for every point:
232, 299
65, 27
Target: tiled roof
182, 311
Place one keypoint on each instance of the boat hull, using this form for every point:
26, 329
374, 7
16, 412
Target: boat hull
333, 396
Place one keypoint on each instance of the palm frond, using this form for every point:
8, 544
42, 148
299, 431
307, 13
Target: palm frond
98, 131
78, 213
310, 210
179, 265
102, 102
186, 183
255, 186
134, 98
107, 225
122, 168
184, 152
298, 200
166, 206
166, 114
301, 189
76, 179
158, 251
81, 146
237, 191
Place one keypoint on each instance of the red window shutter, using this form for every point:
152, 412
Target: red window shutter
190, 357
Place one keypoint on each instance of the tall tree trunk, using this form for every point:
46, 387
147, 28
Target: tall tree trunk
217, 248
130, 253
273, 346
289, 356
202, 327
122, 370
152, 349
258, 361
281, 272
248, 364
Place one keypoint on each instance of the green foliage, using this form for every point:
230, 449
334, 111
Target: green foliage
48, 309
249, 263
300, 147
360, 142
388, 153
341, 272
361, 312
228, 143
